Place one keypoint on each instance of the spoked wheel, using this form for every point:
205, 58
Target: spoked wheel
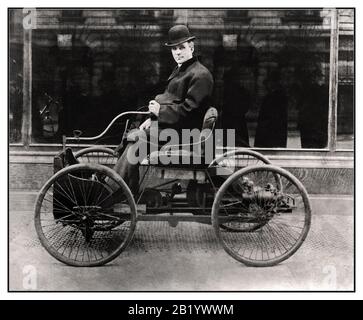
82, 220
226, 165
278, 221
100, 155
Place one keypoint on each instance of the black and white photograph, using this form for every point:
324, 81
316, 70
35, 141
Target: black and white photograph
170, 149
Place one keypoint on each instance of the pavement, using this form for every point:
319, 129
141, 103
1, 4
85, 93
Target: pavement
189, 258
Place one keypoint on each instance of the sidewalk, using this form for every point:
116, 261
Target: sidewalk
188, 258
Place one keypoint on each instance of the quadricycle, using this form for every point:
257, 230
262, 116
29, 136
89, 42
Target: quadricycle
86, 215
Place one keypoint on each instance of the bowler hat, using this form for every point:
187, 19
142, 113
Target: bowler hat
177, 35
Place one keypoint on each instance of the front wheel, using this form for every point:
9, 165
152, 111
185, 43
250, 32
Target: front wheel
83, 220
279, 221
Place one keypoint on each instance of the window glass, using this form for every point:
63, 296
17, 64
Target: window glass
270, 67
15, 75
85, 73
272, 71
345, 112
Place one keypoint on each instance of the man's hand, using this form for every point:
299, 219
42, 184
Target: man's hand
154, 107
146, 124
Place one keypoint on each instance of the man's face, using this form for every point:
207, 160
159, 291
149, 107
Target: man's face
182, 52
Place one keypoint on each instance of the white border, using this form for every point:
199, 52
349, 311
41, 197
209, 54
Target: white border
4, 295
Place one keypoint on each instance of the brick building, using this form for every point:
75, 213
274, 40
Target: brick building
96, 63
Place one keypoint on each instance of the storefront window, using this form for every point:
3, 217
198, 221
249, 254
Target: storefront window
271, 71
15, 75
84, 76
345, 112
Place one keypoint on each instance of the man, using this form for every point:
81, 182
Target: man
183, 103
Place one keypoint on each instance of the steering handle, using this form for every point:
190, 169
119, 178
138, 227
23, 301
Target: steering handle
77, 133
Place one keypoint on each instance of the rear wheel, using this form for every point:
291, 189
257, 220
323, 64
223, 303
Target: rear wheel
279, 221
82, 220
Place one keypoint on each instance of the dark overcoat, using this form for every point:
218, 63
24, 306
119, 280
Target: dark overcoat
186, 97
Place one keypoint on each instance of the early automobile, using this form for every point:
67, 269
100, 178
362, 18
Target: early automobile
85, 214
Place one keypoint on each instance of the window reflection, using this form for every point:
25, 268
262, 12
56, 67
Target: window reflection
271, 72
15, 75
345, 112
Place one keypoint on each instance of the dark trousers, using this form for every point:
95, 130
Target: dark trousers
128, 171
